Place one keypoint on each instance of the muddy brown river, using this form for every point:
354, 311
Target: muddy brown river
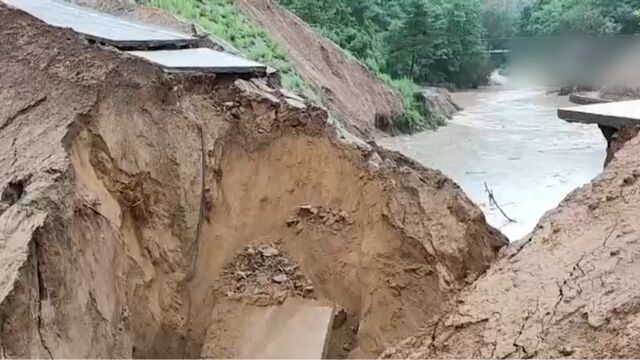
511, 139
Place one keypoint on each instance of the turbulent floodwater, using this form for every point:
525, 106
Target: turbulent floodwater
512, 140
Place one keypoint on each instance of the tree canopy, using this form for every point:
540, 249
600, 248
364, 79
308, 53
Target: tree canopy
570, 17
428, 41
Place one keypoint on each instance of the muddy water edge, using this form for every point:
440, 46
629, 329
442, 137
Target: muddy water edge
511, 139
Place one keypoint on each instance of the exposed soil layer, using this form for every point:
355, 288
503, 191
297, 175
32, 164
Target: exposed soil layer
128, 193
348, 88
618, 140
569, 290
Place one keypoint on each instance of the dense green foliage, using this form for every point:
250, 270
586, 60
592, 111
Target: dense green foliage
500, 17
567, 17
429, 41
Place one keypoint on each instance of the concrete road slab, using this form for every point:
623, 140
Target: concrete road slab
297, 329
613, 114
202, 60
101, 27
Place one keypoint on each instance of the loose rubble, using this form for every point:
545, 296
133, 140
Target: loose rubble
334, 220
263, 275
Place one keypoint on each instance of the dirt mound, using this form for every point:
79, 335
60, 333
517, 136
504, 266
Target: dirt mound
349, 89
264, 275
570, 290
126, 192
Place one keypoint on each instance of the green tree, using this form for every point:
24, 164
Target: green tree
413, 43
566, 17
430, 41
464, 62
406, 41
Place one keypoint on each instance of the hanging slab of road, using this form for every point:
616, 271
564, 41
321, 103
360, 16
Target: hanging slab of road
99, 26
614, 114
141, 40
610, 117
202, 60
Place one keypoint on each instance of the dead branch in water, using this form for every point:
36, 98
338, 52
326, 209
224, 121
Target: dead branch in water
492, 200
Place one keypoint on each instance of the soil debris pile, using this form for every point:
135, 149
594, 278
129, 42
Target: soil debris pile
569, 290
264, 275
127, 193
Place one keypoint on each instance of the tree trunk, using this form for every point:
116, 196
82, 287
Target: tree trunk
413, 64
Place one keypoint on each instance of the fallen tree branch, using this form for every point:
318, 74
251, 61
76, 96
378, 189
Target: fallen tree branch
492, 200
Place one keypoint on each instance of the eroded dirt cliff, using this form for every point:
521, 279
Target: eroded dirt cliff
570, 290
128, 193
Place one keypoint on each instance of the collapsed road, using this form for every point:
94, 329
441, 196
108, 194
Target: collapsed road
130, 191
147, 212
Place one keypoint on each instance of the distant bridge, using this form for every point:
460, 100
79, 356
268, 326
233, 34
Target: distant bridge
498, 51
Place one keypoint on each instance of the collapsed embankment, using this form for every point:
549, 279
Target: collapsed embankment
128, 194
571, 289
439, 102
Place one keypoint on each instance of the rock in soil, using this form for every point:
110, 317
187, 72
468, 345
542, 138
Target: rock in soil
339, 318
263, 274
321, 217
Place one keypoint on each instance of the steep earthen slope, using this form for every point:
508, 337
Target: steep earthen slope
127, 193
571, 290
348, 88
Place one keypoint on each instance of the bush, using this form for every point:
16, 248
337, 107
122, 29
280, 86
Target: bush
416, 115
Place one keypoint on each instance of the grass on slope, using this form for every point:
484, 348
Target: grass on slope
417, 116
222, 19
